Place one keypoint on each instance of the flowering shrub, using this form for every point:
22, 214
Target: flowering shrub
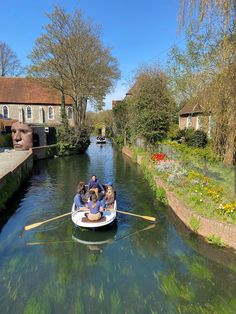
174, 170
159, 157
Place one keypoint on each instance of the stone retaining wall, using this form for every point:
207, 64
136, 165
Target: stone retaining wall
10, 182
207, 226
44, 152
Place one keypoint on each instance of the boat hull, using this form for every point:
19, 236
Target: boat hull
79, 218
101, 142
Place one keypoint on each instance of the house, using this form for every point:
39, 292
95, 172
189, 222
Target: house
195, 116
28, 101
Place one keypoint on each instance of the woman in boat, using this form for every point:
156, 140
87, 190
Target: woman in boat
108, 201
95, 208
80, 199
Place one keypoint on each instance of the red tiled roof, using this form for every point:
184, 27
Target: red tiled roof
191, 109
18, 90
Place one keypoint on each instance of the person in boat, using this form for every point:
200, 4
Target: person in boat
109, 198
81, 197
95, 185
95, 208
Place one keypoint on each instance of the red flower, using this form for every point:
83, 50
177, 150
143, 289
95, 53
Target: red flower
158, 157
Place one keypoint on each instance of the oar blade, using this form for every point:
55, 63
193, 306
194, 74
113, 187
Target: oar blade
33, 226
149, 218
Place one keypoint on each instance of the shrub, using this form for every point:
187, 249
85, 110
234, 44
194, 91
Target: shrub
6, 140
197, 138
68, 139
215, 240
174, 132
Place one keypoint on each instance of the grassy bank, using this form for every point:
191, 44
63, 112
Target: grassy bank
195, 176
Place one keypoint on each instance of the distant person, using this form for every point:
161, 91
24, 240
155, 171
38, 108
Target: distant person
80, 199
95, 185
22, 136
95, 209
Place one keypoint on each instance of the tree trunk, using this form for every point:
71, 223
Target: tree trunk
229, 157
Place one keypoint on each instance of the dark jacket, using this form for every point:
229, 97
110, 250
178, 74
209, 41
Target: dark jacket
95, 185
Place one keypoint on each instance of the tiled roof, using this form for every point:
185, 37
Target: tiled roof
18, 90
196, 108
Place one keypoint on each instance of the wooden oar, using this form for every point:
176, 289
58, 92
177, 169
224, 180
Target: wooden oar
144, 217
37, 224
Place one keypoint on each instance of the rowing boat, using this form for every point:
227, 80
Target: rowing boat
101, 140
80, 220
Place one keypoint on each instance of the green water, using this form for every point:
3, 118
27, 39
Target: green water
134, 267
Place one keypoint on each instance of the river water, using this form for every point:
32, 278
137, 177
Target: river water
134, 267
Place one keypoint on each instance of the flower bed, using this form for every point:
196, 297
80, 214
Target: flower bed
205, 195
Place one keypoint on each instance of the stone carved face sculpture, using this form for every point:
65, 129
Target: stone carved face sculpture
22, 136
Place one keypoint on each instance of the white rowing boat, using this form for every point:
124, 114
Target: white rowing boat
101, 140
80, 220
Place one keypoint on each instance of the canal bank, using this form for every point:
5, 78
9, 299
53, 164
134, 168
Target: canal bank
206, 227
16, 166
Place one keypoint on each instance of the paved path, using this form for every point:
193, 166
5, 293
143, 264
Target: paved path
9, 160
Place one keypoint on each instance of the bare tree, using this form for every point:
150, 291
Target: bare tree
71, 56
9, 63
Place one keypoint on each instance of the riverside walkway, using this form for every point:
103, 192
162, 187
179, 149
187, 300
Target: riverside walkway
10, 159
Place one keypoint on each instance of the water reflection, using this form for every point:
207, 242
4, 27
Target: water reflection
135, 267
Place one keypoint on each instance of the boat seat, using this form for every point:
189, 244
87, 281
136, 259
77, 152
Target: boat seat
85, 219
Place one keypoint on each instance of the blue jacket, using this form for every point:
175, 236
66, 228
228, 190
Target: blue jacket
95, 185
78, 201
94, 210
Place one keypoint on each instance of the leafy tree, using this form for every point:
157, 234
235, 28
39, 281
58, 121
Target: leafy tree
121, 121
71, 56
152, 105
9, 63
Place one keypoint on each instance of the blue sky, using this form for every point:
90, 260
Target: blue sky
139, 32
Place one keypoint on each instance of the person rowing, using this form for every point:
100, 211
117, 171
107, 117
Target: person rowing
95, 208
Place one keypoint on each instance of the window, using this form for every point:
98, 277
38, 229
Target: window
189, 122
198, 123
29, 112
50, 113
5, 112
69, 112
21, 115
41, 115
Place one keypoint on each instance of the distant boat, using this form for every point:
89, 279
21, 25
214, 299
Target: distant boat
101, 140
80, 220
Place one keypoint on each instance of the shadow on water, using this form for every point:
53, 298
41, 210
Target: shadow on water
12, 204
221, 255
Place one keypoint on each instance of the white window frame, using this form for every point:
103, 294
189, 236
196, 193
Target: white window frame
50, 107
5, 106
198, 122
69, 108
21, 115
189, 121
29, 118
41, 115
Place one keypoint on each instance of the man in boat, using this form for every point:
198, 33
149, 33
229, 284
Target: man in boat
95, 185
